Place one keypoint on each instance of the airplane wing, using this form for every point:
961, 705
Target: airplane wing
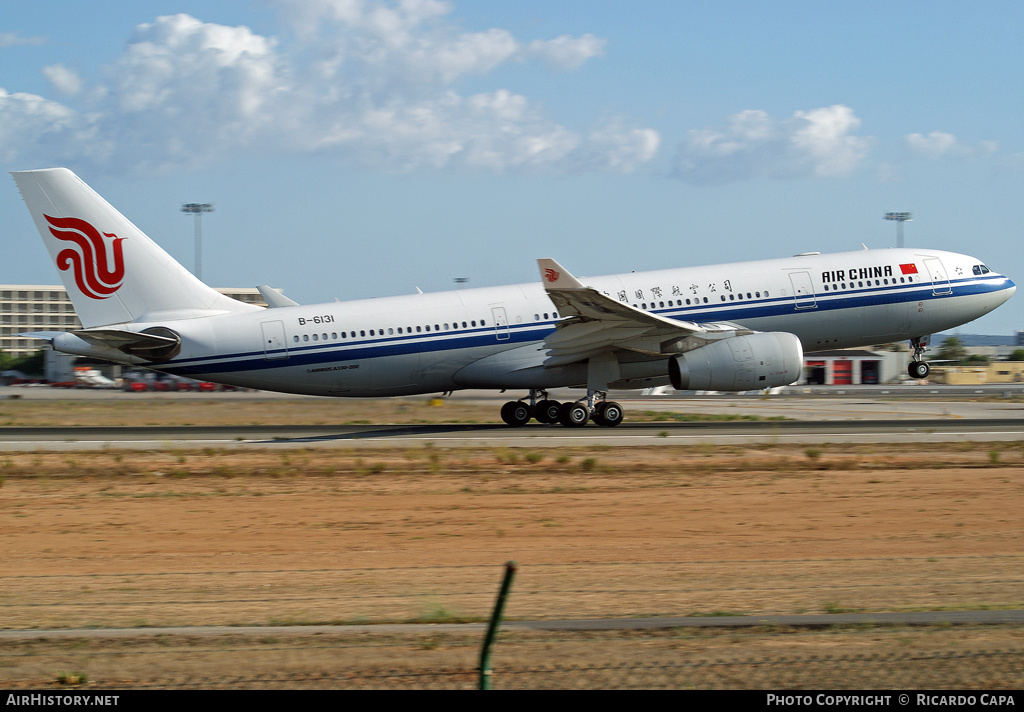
599, 324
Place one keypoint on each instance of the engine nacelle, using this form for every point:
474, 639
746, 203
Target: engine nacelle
739, 363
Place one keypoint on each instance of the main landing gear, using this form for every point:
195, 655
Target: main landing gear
917, 367
594, 407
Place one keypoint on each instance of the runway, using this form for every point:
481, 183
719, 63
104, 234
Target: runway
534, 435
861, 415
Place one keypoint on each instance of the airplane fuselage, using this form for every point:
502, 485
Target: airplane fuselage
494, 337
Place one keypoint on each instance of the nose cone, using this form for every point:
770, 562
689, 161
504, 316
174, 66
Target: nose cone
1009, 289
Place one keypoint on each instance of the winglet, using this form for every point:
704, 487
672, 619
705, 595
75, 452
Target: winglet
555, 277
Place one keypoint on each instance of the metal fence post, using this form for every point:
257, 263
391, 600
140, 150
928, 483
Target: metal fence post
492, 627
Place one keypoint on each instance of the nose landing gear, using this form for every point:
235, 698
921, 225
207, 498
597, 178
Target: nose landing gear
917, 367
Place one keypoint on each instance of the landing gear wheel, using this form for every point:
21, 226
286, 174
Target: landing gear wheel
547, 411
918, 369
573, 415
516, 413
608, 414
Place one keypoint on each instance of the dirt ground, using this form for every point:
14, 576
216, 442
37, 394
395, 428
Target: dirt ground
263, 537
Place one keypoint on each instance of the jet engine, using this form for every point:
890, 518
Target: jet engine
739, 363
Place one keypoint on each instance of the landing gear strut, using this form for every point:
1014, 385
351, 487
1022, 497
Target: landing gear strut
917, 367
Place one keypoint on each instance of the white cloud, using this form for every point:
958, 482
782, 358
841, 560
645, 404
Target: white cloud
12, 39
31, 124
938, 144
816, 143
374, 82
825, 140
567, 52
66, 81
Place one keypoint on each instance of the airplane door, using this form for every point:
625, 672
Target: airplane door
803, 290
501, 332
940, 281
275, 346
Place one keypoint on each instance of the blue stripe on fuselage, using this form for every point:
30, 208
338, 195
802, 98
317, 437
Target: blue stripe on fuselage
738, 311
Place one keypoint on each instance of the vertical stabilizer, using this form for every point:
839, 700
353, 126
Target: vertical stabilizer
112, 271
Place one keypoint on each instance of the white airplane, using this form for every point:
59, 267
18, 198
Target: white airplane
732, 327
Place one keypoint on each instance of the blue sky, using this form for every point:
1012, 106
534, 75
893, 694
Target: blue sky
356, 148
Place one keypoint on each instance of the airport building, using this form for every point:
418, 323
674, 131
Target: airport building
854, 367
46, 307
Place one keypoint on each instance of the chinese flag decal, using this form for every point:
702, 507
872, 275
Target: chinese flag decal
908, 269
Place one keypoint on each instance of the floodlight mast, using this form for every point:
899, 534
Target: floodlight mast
198, 209
900, 218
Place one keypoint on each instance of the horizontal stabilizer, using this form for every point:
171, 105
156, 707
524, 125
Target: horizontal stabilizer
125, 340
41, 335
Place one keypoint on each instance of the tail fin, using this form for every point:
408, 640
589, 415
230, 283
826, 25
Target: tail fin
112, 271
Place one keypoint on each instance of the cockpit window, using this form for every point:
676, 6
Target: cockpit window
981, 269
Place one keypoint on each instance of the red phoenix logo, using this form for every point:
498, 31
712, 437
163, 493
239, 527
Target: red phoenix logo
95, 276
551, 275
